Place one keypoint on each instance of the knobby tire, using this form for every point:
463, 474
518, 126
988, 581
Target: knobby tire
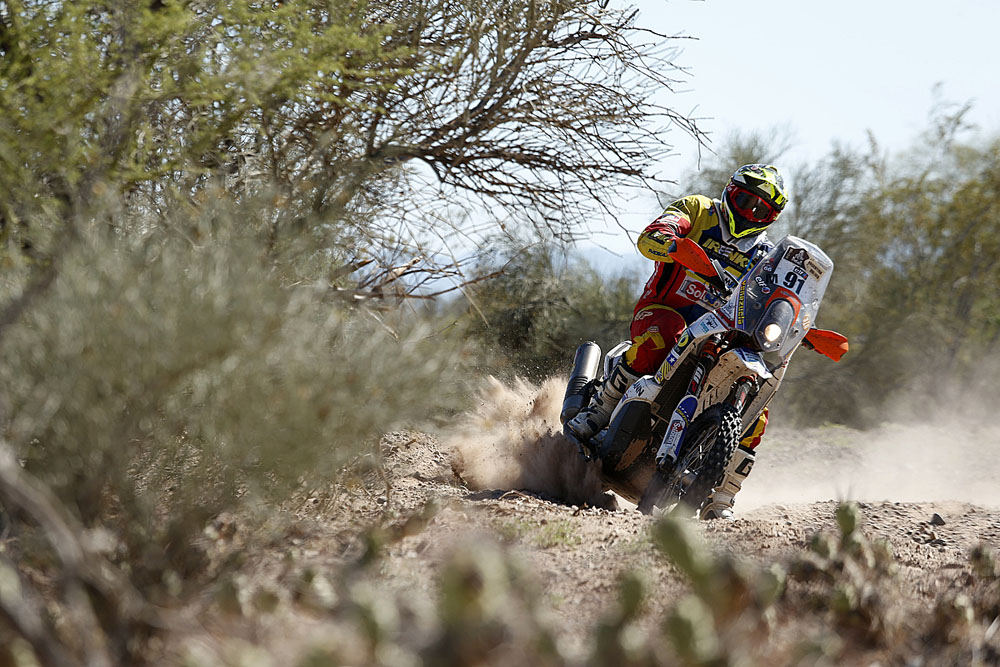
708, 447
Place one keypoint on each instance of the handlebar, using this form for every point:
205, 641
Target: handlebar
692, 256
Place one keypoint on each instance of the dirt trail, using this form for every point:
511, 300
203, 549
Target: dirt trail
504, 476
931, 493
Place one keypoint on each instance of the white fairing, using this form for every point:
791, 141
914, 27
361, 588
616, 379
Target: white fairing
795, 268
733, 365
644, 389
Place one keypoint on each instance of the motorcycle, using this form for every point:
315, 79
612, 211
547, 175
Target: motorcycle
673, 433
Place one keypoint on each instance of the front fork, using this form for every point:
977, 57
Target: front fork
666, 455
744, 390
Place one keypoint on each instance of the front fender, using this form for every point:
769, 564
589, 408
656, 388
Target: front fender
753, 362
731, 366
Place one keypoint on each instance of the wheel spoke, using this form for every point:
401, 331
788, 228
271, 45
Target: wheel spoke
702, 460
692, 461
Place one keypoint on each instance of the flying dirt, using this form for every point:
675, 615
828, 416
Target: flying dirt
928, 493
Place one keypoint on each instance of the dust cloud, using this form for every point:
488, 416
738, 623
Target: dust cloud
513, 440
938, 461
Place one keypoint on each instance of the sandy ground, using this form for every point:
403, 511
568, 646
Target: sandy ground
503, 475
931, 492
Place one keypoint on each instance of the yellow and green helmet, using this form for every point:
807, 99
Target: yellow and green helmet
753, 199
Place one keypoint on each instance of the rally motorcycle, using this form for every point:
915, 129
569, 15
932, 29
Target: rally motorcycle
673, 434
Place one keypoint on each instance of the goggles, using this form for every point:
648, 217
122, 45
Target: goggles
751, 206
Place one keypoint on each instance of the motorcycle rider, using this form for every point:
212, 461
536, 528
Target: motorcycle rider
732, 231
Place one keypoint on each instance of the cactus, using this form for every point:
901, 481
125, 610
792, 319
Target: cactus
857, 576
730, 608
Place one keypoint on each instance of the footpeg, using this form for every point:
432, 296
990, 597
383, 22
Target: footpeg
588, 450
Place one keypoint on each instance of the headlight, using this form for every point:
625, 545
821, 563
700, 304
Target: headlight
774, 325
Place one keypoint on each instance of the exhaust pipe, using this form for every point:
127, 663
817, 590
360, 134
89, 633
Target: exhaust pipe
585, 367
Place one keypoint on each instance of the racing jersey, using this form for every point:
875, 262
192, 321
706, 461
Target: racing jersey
671, 285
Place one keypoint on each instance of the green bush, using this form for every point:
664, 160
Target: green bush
543, 304
160, 383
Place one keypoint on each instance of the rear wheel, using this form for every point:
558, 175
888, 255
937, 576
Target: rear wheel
705, 452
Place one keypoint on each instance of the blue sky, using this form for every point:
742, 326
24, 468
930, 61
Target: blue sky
833, 70
826, 71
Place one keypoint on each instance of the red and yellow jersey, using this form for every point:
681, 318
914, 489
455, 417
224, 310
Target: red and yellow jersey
694, 217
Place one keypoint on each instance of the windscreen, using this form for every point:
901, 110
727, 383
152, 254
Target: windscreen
795, 265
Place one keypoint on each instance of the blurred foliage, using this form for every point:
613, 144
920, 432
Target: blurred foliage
159, 384
211, 217
856, 577
730, 610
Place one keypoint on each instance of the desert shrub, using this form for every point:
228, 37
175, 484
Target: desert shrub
728, 614
158, 384
966, 623
543, 303
854, 581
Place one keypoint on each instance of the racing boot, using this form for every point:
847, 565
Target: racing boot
589, 421
719, 505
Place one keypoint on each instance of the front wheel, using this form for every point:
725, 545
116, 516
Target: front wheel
707, 448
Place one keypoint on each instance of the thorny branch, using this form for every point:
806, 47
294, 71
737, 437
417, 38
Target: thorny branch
514, 109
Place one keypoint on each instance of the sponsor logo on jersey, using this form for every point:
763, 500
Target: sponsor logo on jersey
726, 253
692, 289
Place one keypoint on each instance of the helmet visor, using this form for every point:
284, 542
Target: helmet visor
751, 206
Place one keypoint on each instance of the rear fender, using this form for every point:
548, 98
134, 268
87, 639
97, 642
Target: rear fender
643, 390
630, 429
629, 435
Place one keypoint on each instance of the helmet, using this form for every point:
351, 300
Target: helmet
753, 199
